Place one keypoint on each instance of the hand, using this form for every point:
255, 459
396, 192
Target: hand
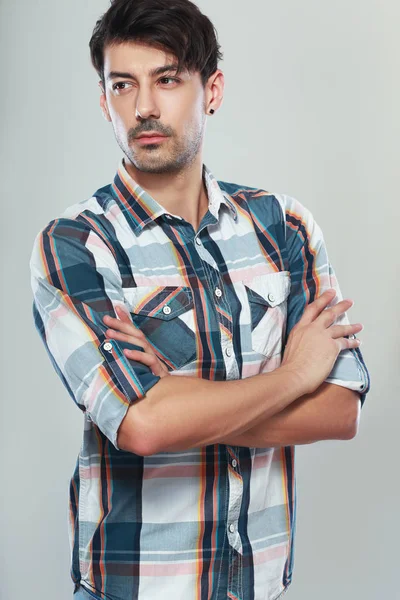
314, 343
124, 330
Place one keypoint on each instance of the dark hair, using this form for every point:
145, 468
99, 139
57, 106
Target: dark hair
177, 26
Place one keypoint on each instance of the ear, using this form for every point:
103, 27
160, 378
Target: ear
103, 103
214, 91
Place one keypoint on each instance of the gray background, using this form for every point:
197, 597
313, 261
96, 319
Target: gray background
310, 109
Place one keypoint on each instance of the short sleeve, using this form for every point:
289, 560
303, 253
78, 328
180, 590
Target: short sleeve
311, 275
76, 282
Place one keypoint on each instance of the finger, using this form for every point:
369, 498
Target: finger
313, 309
123, 337
329, 316
147, 359
131, 339
346, 343
337, 331
123, 315
124, 327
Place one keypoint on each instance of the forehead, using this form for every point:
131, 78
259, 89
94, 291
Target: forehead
137, 57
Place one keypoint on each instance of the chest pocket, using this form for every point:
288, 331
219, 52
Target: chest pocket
267, 297
165, 314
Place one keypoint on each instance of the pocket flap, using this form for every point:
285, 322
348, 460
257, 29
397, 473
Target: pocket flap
271, 289
161, 302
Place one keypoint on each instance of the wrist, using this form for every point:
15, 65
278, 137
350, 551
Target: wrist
295, 380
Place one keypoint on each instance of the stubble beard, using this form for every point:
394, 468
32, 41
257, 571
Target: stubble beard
154, 158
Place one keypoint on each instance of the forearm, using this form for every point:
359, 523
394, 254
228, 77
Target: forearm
183, 412
331, 412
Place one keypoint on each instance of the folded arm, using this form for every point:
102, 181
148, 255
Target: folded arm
185, 412
180, 413
76, 281
331, 412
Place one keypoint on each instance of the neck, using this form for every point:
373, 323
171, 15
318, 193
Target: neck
183, 193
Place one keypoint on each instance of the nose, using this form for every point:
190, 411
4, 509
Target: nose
146, 106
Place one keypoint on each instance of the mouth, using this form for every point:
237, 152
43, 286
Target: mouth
150, 139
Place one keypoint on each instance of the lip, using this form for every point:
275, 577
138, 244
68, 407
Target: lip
151, 138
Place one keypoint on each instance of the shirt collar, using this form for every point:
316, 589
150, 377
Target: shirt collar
144, 209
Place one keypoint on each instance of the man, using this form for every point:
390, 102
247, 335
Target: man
184, 487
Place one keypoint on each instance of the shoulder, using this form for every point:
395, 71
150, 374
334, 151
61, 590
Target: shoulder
259, 200
74, 226
82, 215
97, 204
273, 208
244, 192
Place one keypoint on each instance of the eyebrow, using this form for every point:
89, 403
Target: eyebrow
153, 72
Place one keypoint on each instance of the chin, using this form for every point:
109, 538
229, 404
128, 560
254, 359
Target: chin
155, 164
156, 167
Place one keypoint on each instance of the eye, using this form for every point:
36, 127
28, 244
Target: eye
116, 86
166, 79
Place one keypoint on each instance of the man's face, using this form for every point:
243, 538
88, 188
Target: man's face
141, 96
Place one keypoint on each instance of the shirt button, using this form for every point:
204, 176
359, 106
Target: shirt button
218, 292
198, 241
166, 310
232, 528
234, 463
271, 297
107, 346
228, 351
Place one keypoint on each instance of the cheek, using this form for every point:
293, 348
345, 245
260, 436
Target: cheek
120, 121
119, 109
190, 116
187, 107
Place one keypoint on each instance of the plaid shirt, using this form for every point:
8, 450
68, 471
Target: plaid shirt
214, 522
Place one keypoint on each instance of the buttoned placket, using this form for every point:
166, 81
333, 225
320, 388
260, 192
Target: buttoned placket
235, 500
235, 480
234, 538
232, 371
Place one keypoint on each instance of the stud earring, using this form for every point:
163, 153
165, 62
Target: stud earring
212, 111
